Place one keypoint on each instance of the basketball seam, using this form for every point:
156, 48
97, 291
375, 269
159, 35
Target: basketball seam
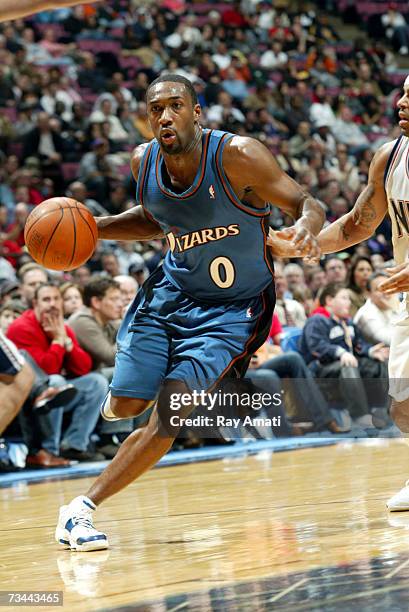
50, 212
84, 219
75, 235
52, 235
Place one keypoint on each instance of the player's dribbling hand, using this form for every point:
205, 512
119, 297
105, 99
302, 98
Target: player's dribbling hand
398, 281
304, 242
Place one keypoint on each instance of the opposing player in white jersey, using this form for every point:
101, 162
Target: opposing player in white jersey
387, 191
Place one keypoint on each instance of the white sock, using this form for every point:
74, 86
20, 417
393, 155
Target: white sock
82, 499
106, 411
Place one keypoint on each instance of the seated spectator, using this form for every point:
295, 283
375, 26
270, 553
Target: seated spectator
374, 318
315, 278
96, 171
110, 264
78, 191
31, 277
347, 131
46, 144
72, 298
335, 269
96, 326
53, 345
128, 287
81, 276
289, 311
294, 275
9, 312
333, 348
267, 365
359, 273
397, 30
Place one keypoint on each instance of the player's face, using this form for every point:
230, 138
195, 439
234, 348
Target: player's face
172, 116
403, 106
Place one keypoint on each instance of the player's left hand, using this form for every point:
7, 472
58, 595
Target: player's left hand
303, 241
398, 281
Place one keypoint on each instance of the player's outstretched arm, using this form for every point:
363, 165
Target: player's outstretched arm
252, 169
358, 224
15, 9
133, 224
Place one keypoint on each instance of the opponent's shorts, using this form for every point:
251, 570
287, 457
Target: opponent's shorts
167, 335
11, 362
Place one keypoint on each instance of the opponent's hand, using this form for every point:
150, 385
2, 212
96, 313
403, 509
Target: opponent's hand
398, 281
303, 241
380, 352
349, 360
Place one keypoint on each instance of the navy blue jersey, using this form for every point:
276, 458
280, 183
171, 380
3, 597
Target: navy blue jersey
218, 249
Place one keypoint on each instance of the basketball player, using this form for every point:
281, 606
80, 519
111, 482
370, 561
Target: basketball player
387, 191
203, 314
15, 9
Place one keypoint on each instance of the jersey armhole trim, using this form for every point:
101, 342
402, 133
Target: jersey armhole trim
267, 254
226, 184
142, 174
391, 160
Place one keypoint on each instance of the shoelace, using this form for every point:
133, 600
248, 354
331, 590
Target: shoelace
82, 518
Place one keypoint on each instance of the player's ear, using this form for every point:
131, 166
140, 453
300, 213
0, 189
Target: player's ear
197, 111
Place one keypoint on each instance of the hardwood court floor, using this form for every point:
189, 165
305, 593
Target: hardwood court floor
197, 527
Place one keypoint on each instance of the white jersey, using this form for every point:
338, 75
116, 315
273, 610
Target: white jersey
397, 192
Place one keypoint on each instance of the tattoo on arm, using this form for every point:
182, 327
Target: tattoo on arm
366, 207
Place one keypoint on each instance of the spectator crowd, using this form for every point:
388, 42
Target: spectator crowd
72, 108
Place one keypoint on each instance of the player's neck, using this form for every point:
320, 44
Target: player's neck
182, 168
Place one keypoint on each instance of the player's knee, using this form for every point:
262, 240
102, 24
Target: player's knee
128, 407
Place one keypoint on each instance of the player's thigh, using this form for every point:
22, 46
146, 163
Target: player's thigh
141, 362
204, 358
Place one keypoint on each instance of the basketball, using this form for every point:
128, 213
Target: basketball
60, 234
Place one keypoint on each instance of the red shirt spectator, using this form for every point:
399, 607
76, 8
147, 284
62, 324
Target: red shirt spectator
51, 343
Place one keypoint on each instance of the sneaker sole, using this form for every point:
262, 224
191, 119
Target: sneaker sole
62, 537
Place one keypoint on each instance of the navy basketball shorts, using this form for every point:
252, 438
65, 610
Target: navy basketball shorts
11, 362
167, 335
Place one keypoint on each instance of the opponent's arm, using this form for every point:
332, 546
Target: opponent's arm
355, 226
14, 9
251, 168
132, 224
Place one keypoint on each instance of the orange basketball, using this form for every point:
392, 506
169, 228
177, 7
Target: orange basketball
61, 234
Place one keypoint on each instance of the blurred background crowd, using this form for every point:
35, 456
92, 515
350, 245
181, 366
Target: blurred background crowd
317, 82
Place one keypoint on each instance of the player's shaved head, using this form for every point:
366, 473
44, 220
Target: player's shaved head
174, 78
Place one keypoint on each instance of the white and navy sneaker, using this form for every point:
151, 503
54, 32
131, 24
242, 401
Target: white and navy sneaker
75, 529
399, 501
